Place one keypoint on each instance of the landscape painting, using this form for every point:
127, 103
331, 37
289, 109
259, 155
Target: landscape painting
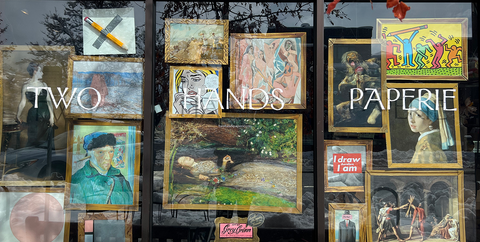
240, 162
99, 86
196, 41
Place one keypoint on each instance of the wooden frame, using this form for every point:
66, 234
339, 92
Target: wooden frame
427, 66
367, 145
342, 77
401, 157
275, 68
222, 135
126, 216
186, 51
14, 60
211, 81
235, 221
382, 181
108, 72
128, 138
332, 215
31, 190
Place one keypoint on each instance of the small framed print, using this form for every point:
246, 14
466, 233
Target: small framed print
356, 86
268, 70
98, 86
423, 126
195, 92
105, 226
196, 41
346, 222
33, 214
425, 48
345, 164
234, 230
430, 204
103, 165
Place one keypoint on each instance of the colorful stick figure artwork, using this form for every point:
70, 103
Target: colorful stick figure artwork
434, 49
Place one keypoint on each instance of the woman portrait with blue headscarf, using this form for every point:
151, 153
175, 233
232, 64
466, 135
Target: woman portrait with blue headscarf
431, 124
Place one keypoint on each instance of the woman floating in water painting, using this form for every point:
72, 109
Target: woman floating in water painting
432, 142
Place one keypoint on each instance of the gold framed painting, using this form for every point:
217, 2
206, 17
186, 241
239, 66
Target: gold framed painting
346, 222
235, 230
25, 70
98, 86
196, 41
103, 165
345, 163
268, 71
195, 92
103, 226
356, 86
232, 163
432, 202
427, 115
425, 48
33, 214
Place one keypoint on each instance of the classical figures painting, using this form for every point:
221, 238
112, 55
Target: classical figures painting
428, 49
356, 86
103, 165
268, 70
345, 163
249, 162
196, 41
415, 205
98, 87
195, 92
346, 222
424, 126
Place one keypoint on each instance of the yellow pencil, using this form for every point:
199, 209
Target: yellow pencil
102, 30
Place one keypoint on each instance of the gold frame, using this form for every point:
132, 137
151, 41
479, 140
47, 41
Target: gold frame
136, 172
297, 209
368, 144
172, 86
361, 207
169, 49
36, 189
126, 216
57, 113
71, 62
421, 21
235, 41
460, 185
331, 87
456, 125
235, 220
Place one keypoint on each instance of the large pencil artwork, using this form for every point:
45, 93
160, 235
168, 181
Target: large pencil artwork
239, 162
425, 48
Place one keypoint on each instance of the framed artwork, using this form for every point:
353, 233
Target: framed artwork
346, 222
268, 70
427, 135
345, 164
98, 86
425, 48
196, 41
232, 163
234, 230
33, 214
421, 204
195, 92
25, 136
356, 86
103, 165
105, 226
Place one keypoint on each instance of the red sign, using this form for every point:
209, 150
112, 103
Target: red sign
347, 163
235, 231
